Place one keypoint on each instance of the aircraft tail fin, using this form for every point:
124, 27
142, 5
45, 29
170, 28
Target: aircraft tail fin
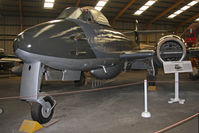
137, 31
137, 37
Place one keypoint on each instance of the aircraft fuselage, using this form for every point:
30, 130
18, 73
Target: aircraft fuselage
71, 44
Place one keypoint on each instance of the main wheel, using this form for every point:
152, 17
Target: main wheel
42, 114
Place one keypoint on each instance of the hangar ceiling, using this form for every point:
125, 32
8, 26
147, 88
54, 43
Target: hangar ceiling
114, 10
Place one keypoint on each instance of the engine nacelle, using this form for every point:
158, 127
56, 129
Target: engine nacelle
107, 72
171, 48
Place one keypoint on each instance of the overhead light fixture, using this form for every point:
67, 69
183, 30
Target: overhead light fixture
184, 8
138, 12
171, 16
197, 19
178, 12
52, 1
145, 7
49, 4
193, 3
99, 8
101, 3
149, 3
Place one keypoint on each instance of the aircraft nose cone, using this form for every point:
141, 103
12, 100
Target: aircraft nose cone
15, 44
21, 43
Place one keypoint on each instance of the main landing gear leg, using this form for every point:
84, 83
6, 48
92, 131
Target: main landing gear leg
82, 80
152, 72
42, 108
1, 110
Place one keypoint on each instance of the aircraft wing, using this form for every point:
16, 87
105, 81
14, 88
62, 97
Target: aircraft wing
147, 46
6, 63
10, 60
146, 31
7, 56
139, 54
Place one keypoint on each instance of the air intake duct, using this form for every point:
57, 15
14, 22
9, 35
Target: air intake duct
171, 48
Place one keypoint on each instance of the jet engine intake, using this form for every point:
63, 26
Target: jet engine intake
171, 48
107, 72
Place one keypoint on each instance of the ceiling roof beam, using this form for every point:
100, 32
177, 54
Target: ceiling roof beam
163, 13
122, 12
77, 3
186, 21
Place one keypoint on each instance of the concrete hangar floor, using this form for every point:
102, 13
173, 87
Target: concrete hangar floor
116, 110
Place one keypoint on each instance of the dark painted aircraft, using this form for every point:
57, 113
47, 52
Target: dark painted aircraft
81, 40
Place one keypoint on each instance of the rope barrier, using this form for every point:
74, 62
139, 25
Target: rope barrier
173, 81
178, 123
106, 88
73, 92
89, 90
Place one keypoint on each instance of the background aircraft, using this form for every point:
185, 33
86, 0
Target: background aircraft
7, 61
81, 40
191, 37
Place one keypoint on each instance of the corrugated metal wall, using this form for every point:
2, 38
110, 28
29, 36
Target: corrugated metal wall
8, 26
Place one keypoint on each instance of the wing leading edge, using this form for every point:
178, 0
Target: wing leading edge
139, 54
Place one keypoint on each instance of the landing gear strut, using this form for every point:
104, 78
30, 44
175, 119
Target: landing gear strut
152, 72
82, 80
42, 108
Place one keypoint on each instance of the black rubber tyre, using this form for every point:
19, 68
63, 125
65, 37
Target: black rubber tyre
82, 80
36, 111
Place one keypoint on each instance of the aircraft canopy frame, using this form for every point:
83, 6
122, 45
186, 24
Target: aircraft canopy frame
83, 14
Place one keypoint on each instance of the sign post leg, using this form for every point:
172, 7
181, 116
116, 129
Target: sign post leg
176, 99
145, 114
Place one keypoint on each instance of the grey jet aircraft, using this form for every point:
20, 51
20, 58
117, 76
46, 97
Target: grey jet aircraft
81, 40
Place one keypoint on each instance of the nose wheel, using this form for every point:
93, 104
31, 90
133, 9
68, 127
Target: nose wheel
43, 110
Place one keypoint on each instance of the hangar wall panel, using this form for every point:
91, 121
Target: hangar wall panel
9, 47
2, 30
10, 27
2, 44
11, 20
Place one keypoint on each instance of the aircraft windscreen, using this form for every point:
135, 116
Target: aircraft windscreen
71, 12
78, 13
99, 17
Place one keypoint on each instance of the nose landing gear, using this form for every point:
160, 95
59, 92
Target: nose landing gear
43, 110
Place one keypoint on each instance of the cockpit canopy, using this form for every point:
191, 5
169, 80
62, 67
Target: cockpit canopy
85, 14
